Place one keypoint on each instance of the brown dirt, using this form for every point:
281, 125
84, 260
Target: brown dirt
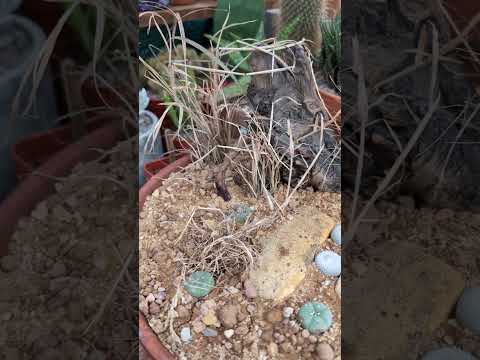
61, 266
450, 236
164, 260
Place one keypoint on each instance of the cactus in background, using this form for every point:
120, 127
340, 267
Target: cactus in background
308, 26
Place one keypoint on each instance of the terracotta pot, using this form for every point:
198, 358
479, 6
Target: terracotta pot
101, 97
36, 188
156, 181
332, 102
156, 107
32, 151
148, 339
153, 167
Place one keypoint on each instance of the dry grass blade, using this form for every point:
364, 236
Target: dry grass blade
223, 132
391, 173
363, 113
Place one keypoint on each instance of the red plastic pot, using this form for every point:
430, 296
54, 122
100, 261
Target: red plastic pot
151, 168
36, 187
32, 151
102, 96
156, 107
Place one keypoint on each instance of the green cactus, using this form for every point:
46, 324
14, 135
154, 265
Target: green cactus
308, 26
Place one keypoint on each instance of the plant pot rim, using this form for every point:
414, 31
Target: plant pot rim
148, 339
35, 188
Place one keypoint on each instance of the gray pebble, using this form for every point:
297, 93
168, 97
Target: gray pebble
209, 332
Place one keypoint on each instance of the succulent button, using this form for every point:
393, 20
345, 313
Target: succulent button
199, 284
241, 213
315, 317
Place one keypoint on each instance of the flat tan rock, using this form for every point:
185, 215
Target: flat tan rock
287, 252
398, 303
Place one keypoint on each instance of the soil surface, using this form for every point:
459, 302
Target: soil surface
65, 259
447, 235
231, 322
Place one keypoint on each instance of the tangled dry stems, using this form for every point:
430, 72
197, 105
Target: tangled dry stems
219, 128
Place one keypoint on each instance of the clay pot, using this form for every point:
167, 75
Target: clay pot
34, 188
150, 342
332, 102
34, 150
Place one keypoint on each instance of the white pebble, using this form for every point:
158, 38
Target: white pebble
185, 334
336, 234
228, 333
287, 312
150, 298
329, 263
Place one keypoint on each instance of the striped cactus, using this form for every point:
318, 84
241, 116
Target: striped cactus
306, 14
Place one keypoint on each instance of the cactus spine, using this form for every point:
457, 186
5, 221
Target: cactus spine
307, 15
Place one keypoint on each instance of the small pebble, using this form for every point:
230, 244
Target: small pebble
468, 310
211, 320
198, 326
242, 330
274, 316
209, 332
228, 316
336, 234
150, 298
229, 333
250, 290
154, 308
338, 287
233, 290
288, 312
185, 334
325, 352
329, 263
272, 350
